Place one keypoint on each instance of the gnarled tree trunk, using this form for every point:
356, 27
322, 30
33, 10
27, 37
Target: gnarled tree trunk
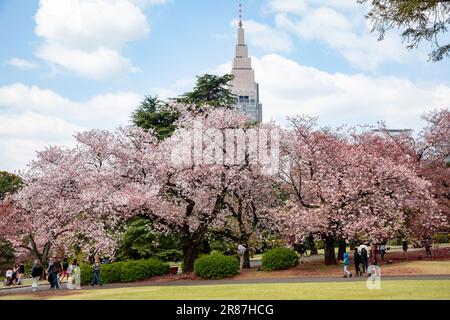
341, 249
330, 256
246, 256
312, 245
191, 250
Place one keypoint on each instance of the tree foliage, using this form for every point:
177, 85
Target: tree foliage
210, 90
154, 114
418, 20
159, 116
9, 183
140, 241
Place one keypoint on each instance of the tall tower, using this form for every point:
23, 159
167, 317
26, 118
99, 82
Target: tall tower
244, 85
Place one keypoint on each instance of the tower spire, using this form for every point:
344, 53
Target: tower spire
240, 15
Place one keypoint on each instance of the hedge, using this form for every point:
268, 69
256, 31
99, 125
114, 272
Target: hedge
279, 259
126, 271
441, 238
216, 266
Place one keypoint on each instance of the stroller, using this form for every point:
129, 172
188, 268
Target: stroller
10, 278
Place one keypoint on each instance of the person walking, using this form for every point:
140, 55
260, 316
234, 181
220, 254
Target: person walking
382, 251
300, 248
241, 253
405, 249
36, 274
346, 263
373, 254
49, 272
363, 251
55, 269
427, 245
74, 276
64, 273
20, 273
96, 269
357, 260
15, 276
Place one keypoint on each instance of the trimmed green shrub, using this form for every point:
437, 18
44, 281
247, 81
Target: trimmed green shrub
440, 238
126, 271
279, 259
86, 274
216, 266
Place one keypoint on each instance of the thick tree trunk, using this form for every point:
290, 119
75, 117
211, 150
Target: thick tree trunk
246, 257
206, 248
330, 256
191, 250
352, 244
312, 246
341, 249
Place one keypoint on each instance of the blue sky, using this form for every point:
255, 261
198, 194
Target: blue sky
64, 67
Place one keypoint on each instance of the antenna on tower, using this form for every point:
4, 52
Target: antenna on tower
240, 15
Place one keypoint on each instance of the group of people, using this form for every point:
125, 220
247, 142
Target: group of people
363, 256
56, 272
15, 275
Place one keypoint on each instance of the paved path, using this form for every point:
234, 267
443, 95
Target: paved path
27, 290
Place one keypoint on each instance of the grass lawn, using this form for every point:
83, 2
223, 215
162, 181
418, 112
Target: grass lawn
395, 289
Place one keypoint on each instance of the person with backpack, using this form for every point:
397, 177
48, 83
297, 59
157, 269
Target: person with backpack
364, 256
36, 274
357, 260
346, 263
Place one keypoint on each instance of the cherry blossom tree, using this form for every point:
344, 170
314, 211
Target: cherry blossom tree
180, 183
342, 189
428, 153
54, 211
250, 202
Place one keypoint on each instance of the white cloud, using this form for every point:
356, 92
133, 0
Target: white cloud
98, 64
33, 117
288, 88
265, 37
145, 3
86, 36
341, 26
22, 64
24, 134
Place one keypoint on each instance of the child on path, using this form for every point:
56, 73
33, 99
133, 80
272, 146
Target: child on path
346, 263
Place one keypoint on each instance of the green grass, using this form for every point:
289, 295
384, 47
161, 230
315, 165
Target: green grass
398, 289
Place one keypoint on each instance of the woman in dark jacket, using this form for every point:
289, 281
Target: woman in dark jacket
36, 274
358, 260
